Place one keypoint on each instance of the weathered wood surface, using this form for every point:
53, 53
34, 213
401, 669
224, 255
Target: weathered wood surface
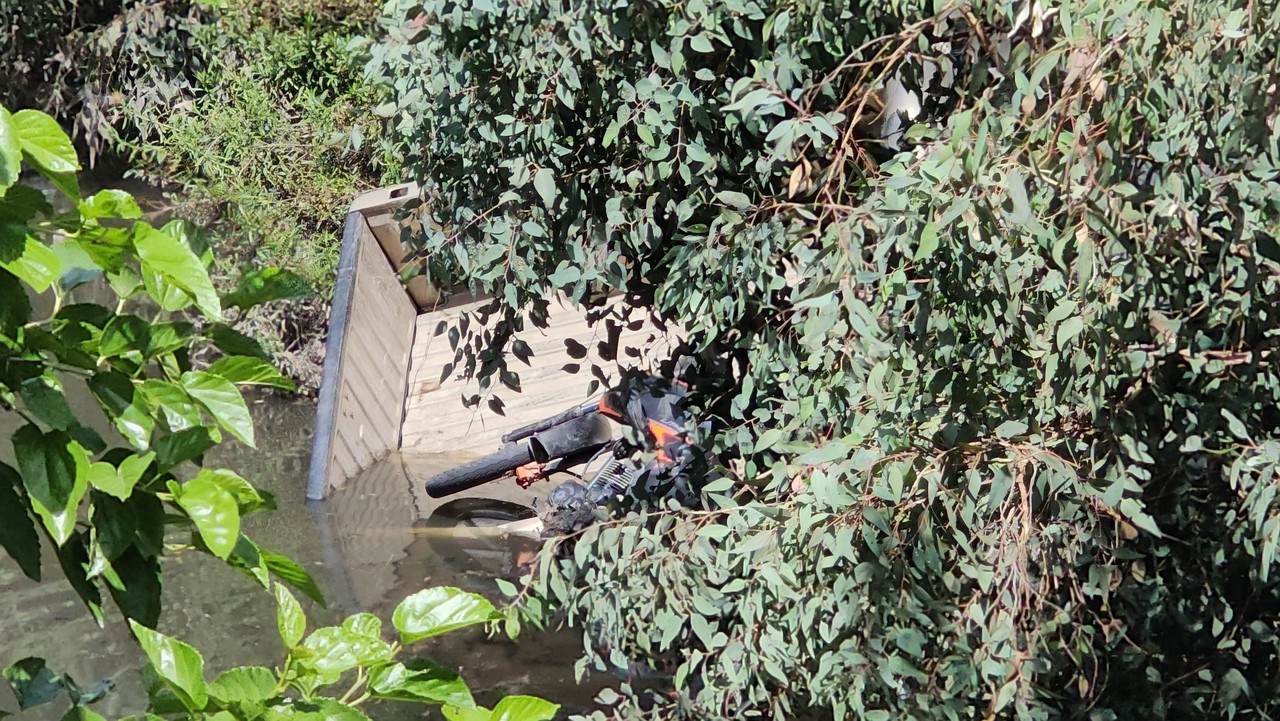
436, 419
371, 329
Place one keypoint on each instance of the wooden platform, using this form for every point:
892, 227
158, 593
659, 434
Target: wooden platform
392, 381
551, 379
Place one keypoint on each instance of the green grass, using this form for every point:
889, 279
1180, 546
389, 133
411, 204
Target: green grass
263, 152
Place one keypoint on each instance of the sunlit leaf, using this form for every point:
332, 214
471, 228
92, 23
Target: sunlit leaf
436, 611
214, 512
524, 708
247, 370
223, 401
179, 265
290, 619
243, 684
265, 285
420, 681
10, 151
180, 665
44, 142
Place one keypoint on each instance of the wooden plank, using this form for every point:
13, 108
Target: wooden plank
436, 420
372, 362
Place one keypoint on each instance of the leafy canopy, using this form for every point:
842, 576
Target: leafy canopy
1003, 419
102, 490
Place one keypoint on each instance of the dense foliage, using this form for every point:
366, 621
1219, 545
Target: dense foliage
103, 503
110, 492
354, 652
253, 116
1005, 408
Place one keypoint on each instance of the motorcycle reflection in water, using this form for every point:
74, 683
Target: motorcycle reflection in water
382, 539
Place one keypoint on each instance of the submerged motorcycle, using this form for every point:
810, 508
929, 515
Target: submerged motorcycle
657, 457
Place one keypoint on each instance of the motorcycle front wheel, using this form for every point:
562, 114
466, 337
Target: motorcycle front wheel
480, 471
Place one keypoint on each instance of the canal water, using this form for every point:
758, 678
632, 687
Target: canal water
366, 547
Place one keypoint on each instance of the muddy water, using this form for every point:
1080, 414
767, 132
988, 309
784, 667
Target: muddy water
368, 548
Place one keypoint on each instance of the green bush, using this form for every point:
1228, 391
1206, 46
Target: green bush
257, 112
270, 143
109, 507
1006, 440
354, 653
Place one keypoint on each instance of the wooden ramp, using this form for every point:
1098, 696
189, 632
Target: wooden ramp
391, 377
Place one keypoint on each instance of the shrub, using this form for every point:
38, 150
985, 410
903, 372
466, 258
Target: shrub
1005, 407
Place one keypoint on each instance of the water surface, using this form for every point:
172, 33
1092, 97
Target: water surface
368, 548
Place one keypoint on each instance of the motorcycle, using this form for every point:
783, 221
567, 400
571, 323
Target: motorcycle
658, 458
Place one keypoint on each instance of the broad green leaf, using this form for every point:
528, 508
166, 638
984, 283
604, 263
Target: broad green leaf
290, 619
176, 263
318, 710
333, 650
364, 624
911, 641
243, 684
168, 295
49, 473
524, 708
110, 203
247, 370
33, 683
10, 151
44, 142
1069, 329
180, 665
137, 593
454, 713
214, 512
436, 611
43, 395
182, 446
1011, 428
114, 525
179, 408
73, 558
125, 406
16, 311
125, 335
247, 557
124, 477
233, 342
264, 285
287, 570
223, 401
734, 199
151, 515
247, 497
169, 337
1133, 509
37, 265
81, 713
18, 534
1015, 186
1235, 425
420, 681
928, 241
